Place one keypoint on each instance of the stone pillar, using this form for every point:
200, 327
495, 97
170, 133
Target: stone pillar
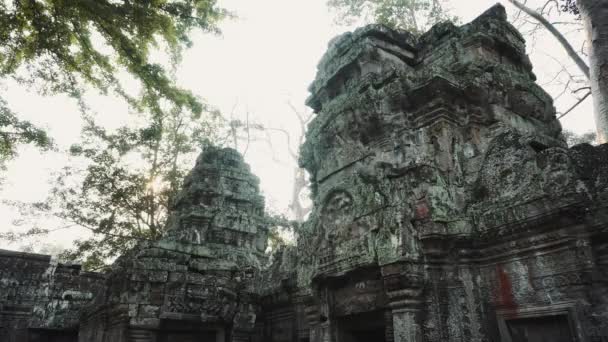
243, 323
404, 287
389, 335
240, 336
406, 325
406, 307
313, 314
326, 332
302, 323
141, 335
319, 323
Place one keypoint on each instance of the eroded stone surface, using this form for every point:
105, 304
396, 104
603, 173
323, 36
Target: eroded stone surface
38, 295
445, 196
203, 271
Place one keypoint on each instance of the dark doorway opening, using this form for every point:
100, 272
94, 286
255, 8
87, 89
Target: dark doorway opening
186, 331
48, 335
187, 336
364, 327
540, 329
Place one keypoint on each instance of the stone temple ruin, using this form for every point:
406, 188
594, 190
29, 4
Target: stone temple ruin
447, 207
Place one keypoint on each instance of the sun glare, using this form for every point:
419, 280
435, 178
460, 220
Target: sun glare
156, 184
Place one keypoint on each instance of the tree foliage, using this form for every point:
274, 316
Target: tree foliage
415, 16
65, 46
569, 6
119, 184
14, 132
52, 249
576, 139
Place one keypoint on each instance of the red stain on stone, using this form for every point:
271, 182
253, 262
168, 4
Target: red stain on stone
422, 209
505, 296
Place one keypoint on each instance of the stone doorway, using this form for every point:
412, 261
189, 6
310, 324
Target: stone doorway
188, 336
364, 327
49, 335
540, 329
189, 331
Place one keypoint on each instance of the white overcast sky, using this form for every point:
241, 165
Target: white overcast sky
263, 59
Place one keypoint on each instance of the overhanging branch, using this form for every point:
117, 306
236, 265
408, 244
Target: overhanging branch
558, 35
575, 105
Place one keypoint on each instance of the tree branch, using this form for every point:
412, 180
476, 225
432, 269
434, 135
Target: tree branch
575, 105
562, 40
248, 134
288, 137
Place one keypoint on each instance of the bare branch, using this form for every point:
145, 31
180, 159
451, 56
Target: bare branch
248, 133
581, 88
549, 2
288, 137
296, 112
517, 16
567, 23
268, 141
575, 105
33, 232
584, 48
577, 79
555, 77
303, 119
562, 40
566, 87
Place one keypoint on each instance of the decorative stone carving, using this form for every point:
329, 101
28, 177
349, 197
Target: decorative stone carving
203, 270
452, 157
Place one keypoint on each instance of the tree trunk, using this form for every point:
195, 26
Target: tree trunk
595, 16
299, 184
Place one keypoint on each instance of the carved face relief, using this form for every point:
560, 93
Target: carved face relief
557, 170
509, 169
193, 229
336, 213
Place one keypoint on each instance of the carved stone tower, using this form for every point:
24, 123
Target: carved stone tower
196, 284
446, 204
